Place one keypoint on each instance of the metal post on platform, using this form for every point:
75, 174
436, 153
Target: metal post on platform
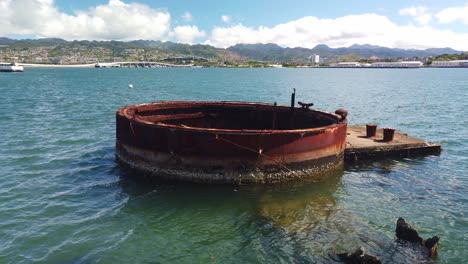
388, 134
293, 99
273, 122
293, 102
371, 130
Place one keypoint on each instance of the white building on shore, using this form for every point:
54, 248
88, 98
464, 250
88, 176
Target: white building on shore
315, 58
450, 64
350, 64
397, 64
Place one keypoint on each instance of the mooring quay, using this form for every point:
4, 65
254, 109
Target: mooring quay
368, 142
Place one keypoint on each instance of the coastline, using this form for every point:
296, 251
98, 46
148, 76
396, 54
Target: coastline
32, 65
92, 65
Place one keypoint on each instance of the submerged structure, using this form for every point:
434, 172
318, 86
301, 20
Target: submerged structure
230, 142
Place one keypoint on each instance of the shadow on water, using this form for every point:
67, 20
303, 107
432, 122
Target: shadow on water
300, 205
293, 222
280, 203
246, 223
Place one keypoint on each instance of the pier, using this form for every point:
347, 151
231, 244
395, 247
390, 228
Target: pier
129, 64
360, 147
141, 64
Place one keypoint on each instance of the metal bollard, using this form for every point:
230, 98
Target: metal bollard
388, 134
371, 130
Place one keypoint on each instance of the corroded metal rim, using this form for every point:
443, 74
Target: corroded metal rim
130, 113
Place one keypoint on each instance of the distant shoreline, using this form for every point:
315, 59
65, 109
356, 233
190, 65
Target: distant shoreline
33, 65
93, 65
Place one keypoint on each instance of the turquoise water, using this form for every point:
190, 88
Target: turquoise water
65, 199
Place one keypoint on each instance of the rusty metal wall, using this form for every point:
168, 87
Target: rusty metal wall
168, 146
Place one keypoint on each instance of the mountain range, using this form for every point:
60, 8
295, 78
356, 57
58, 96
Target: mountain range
273, 52
239, 52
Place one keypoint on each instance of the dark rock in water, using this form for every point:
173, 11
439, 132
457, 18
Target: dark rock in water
406, 232
432, 245
358, 257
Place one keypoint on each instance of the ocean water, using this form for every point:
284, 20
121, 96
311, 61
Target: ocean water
65, 199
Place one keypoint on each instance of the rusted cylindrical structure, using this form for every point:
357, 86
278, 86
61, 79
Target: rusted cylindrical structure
229, 142
388, 134
371, 130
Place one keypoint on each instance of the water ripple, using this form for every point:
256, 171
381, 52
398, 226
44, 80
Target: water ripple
64, 198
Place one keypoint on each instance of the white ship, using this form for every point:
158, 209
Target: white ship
11, 67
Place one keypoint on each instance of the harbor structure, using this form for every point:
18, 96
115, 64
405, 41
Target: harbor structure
249, 143
351, 64
230, 142
363, 145
142, 64
397, 64
450, 64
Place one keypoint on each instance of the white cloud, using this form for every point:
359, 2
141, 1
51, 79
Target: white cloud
225, 18
187, 34
339, 32
125, 20
115, 20
452, 14
187, 17
413, 11
305, 32
423, 19
419, 14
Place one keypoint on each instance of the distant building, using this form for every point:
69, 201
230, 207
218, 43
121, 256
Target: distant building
276, 65
399, 64
451, 64
315, 58
350, 64
185, 59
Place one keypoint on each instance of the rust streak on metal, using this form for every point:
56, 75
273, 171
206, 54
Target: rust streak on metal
259, 152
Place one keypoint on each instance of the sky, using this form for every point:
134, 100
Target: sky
288, 23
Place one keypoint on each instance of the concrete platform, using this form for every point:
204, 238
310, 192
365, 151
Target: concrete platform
360, 147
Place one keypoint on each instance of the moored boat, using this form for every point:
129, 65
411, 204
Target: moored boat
230, 142
11, 67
